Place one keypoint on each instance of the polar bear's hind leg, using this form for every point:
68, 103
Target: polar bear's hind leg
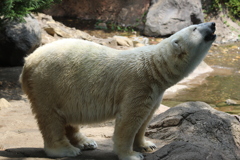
79, 140
52, 127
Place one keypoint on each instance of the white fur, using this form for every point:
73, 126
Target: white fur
72, 82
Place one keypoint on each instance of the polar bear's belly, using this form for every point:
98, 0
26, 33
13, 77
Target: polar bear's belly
89, 114
77, 98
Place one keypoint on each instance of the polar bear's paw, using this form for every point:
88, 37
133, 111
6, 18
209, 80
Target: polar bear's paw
132, 156
147, 146
87, 144
68, 151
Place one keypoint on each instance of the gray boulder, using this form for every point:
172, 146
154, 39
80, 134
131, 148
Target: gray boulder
195, 130
17, 40
165, 17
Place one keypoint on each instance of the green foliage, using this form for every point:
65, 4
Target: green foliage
233, 6
115, 27
17, 9
97, 26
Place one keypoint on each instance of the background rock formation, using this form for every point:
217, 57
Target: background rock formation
165, 17
152, 17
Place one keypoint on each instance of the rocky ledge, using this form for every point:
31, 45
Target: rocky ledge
194, 130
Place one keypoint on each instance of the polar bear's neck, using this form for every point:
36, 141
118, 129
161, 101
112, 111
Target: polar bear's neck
169, 67
158, 63
166, 69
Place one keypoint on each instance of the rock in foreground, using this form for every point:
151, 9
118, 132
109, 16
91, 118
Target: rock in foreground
195, 130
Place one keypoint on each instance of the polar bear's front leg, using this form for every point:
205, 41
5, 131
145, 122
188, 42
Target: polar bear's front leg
78, 140
140, 144
127, 125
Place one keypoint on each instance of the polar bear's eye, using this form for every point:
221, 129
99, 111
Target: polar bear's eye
194, 28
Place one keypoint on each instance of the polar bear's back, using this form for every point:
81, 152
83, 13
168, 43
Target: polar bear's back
68, 56
71, 48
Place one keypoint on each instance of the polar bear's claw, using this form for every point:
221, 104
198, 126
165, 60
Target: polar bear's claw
148, 146
87, 144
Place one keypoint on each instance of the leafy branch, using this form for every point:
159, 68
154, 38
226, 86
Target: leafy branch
17, 9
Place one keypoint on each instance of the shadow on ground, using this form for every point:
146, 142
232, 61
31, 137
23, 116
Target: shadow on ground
33, 153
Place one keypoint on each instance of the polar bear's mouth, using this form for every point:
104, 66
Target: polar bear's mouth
210, 37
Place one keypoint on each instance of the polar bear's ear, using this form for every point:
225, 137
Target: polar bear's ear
175, 43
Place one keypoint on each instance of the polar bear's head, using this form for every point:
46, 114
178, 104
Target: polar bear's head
194, 37
191, 44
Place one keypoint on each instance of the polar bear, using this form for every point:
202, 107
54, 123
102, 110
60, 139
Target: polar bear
75, 82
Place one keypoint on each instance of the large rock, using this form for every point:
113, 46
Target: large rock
165, 17
128, 12
53, 30
17, 40
195, 130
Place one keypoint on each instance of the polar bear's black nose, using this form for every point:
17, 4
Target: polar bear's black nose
210, 25
213, 26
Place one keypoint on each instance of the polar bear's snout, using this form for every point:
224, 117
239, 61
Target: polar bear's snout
210, 28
